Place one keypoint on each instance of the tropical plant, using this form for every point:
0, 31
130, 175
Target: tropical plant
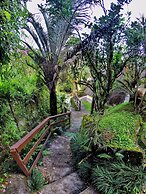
118, 178
36, 181
134, 74
61, 18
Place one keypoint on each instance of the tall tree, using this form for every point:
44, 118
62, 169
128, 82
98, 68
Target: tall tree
136, 44
60, 19
105, 52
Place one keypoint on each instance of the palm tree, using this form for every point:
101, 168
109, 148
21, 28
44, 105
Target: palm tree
61, 18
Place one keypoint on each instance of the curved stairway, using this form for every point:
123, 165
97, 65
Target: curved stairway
57, 166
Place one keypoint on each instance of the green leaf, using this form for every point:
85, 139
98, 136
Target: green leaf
106, 156
119, 155
7, 14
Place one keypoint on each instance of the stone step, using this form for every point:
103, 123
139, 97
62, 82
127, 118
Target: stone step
70, 184
17, 184
58, 162
89, 190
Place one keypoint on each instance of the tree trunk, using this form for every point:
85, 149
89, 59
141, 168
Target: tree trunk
49, 76
92, 105
53, 101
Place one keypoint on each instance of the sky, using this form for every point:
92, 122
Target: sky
137, 8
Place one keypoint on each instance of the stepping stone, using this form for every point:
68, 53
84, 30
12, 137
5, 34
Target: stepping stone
70, 184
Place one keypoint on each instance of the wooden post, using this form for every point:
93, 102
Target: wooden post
69, 119
19, 162
18, 146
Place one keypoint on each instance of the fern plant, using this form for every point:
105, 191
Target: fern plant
118, 178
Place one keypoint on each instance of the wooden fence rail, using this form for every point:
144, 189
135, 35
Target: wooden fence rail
46, 125
78, 102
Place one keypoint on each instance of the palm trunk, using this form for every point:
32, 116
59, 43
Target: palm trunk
53, 101
49, 73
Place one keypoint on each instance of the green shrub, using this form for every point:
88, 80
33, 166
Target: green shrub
107, 149
84, 170
73, 104
118, 178
80, 146
62, 102
66, 86
36, 181
87, 121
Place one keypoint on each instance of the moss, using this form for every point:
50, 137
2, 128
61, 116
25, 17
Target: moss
127, 107
123, 125
118, 128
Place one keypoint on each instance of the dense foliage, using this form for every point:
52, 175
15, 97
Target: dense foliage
24, 102
12, 19
118, 178
109, 150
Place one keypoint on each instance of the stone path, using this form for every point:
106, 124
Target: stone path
57, 167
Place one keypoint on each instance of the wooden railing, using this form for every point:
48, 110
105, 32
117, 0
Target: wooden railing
78, 102
46, 125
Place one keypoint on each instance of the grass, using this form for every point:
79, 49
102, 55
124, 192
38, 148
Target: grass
123, 125
87, 105
118, 127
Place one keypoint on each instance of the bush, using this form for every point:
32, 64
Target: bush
36, 181
73, 104
66, 87
106, 150
118, 178
80, 146
62, 102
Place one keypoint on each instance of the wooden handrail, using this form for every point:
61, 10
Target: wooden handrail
27, 138
18, 146
78, 102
